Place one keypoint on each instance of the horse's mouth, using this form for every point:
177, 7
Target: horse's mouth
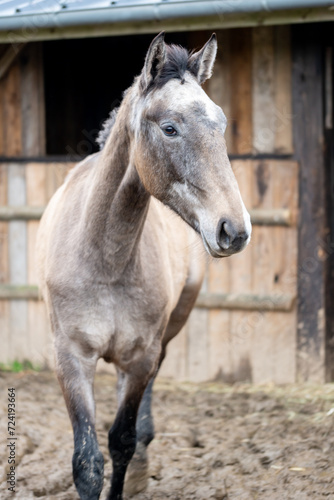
211, 251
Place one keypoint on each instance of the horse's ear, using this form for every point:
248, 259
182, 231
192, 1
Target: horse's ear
155, 59
201, 63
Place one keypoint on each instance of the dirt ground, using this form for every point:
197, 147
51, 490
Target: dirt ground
213, 441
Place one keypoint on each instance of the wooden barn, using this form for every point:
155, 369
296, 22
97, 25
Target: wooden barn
264, 315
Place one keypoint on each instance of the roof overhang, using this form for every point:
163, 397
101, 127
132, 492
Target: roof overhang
25, 21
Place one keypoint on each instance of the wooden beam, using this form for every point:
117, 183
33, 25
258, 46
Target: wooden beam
246, 301
262, 217
21, 213
271, 217
307, 93
17, 292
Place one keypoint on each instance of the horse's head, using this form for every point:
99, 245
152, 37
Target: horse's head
180, 151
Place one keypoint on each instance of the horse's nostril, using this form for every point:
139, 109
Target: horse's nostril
223, 235
228, 237
239, 241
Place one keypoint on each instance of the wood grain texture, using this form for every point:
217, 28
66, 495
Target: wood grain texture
219, 86
11, 112
2, 122
4, 270
241, 281
38, 324
307, 84
17, 237
276, 250
197, 342
263, 90
175, 363
283, 90
241, 95
219, 345
259, 345
32, 101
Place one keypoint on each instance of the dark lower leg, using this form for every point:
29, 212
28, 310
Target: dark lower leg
87, 461
145, 425
123, 437
76, 380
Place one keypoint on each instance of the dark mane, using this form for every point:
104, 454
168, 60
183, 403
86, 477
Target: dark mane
106, 128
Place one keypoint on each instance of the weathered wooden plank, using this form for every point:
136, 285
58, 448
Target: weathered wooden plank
17, 229
248, 302
19, 292
307, 98
271, 217
4, 270
175, 363
19, 347
263, 89
263, 217
2, 122
241, 96
197, 346
32, 101
241, 281
275, 356
219, 85
8, 213
11, 112
206, 300
39, 332
264, 258
282, 83
277, 185
219, 354
197, 342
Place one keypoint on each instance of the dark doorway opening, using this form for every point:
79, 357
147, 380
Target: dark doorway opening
84, 80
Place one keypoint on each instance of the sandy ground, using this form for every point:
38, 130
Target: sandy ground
212, 440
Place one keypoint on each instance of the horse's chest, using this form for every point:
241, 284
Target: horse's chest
117, 313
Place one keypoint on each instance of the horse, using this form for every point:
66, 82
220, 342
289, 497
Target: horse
120, 258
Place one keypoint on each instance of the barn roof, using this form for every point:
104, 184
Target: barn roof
26, 20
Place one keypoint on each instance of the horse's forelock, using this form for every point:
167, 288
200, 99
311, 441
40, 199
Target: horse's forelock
177, 63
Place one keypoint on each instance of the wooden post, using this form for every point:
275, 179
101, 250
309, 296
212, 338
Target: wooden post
307, 88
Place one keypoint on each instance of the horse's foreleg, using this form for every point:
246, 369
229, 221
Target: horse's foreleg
76, 374
137, 473
123, 434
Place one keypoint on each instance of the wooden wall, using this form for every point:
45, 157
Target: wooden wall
252, 83
253, 343
250, 334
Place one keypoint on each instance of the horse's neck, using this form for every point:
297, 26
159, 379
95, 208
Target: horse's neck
118, 200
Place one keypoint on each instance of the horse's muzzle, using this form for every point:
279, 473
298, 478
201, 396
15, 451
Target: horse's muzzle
229, 239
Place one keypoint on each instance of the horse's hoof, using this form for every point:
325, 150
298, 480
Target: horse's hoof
136, 478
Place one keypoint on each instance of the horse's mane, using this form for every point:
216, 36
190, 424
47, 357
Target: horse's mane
106, 128
178, 61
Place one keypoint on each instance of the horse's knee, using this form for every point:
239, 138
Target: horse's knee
88, 467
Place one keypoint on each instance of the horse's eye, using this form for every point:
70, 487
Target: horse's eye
169, 130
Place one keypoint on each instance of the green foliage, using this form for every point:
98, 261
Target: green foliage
19, 366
